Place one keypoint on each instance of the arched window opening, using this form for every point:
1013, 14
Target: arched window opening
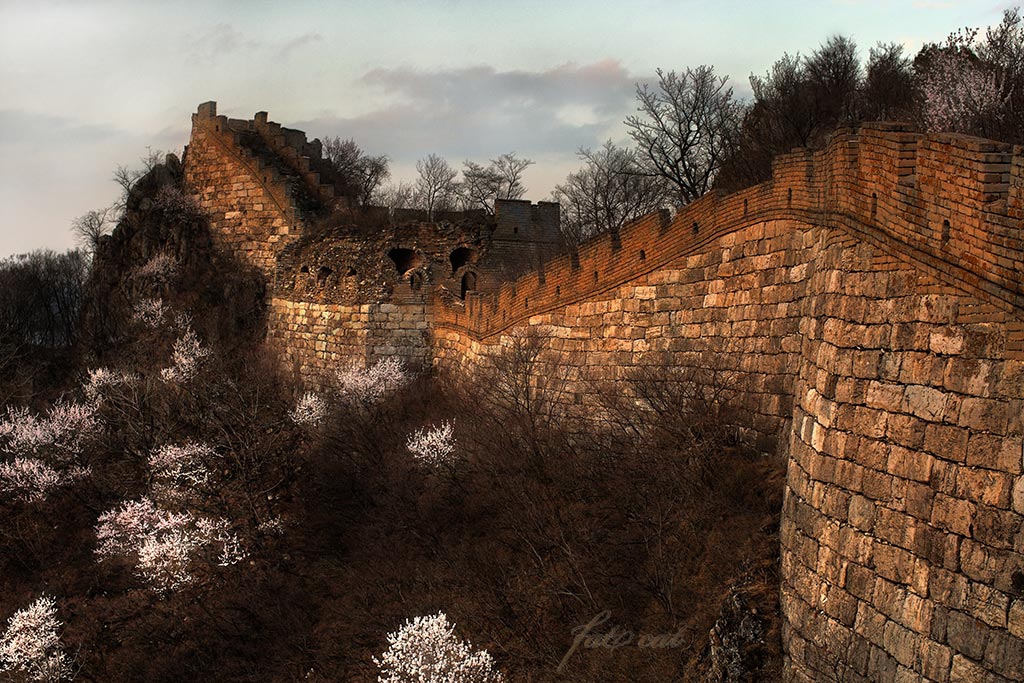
404, 259
460, 257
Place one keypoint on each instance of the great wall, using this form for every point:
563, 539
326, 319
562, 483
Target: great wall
869, 298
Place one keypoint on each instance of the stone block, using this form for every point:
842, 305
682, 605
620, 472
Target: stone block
924, 402
1005, 454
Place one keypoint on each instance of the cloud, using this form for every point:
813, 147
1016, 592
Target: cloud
299, 42
217, 41
224, 39
479, 111
21, 127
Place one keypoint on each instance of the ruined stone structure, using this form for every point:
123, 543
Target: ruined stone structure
869, 297
347, 284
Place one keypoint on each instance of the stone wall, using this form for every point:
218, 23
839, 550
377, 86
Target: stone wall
316, 340
869, 298
732, 306
903, 544
868, 301
250, 206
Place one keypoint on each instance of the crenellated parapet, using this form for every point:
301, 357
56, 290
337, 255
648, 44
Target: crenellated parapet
255, 204
948, 204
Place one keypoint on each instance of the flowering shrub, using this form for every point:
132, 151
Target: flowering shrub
30, 480
309, 411
149, 312
30, 647
177, 205
62, 433
960, 92
167, 546
188, 356
160, 267
426, 650
102, 379
183, 465
370, 385
272, 527
434, 447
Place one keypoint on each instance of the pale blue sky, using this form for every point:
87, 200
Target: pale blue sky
87, 85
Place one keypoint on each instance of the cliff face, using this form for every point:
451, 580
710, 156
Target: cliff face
868, 303
162, 224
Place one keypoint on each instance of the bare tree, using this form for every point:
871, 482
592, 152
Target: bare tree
126, 177
394, 196
501, 179
889, 92
798, 103
479, 187
609, 191
91, 226
40, 298
361, 174
686, 127
834, 74
436, 187
509, 169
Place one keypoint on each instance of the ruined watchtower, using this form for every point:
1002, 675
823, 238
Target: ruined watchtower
348, 283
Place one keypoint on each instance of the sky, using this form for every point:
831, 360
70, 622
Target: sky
87, 85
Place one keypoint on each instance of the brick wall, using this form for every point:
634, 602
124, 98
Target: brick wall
250, 206
869, 298
315, 340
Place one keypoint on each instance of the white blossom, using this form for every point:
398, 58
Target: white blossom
958, 91
31, 647
272, 527
62, 433
160, 267
31, 480
187, 357
433, 447
309, 411
165, 560
100, 379
426, 650
149, 312
373, 384
166, 546
183, 465
219, 531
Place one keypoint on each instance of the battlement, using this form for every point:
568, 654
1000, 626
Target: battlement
284, 152
949, 204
